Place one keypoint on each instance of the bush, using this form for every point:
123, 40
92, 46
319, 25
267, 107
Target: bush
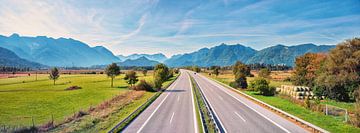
73, 88
262, 85
143, 85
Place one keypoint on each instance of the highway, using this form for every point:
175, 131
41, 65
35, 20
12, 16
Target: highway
172, 112
238, 114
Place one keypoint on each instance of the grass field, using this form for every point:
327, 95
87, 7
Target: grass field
23, 98
329, 123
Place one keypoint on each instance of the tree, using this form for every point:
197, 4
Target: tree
241, 67
307, 68
264, 73
216, 71
196, 69
340, 74
54, 74
161, 72
112, 71
144, 72
262, 85
131, 77
240, 71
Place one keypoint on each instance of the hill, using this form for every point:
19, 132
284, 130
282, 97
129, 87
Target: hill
281, 54
57, 52
155, 57
225, 55
219, 55
142, 61
9, 58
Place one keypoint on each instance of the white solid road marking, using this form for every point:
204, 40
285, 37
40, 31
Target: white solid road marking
147, 120
193, 103
222, 89
240, 116
172, 116
178, 98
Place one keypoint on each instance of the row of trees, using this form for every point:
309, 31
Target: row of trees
335, 75
161, 74
14, 69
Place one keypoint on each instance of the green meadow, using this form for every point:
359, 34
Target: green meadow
24, 99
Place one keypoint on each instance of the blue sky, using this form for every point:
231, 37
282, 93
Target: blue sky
178, 26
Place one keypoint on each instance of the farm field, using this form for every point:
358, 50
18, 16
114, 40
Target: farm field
23, 98
329, 123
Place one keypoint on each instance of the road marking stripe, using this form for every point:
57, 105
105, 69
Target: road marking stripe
221, 88
178, 98
147, 120
240, 116
172, 116
193, 103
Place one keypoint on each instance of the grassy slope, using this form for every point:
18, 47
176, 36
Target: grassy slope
327, 122
40, 99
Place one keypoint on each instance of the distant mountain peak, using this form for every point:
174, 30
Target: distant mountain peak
14, 35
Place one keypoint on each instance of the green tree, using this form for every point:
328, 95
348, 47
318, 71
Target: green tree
216, 71
340, 74
262, 85
240, 67
112, 71
264, 73
196, 69
144, 72
240, 71
131, 77
54, 74
161, 72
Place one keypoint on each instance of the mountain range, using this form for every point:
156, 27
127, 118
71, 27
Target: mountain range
57, 52
9, 58
69, 52
156, 57
225, 55
141, 61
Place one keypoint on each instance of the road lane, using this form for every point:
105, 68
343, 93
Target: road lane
238, 114
173, 111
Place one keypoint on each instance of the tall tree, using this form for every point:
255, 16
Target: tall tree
196, 69
216, 71
112, 71
264, 73
144, 72
54, 74
131, 77
161, 72
242, 68
240, 71
307, 67
340, 74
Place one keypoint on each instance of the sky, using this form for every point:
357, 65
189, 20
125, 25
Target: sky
180, 26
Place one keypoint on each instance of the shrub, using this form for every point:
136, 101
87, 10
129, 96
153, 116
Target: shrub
143, 85
73, 88
262, 85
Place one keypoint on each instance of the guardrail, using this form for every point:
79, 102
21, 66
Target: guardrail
301, 121
212, 115
124, 123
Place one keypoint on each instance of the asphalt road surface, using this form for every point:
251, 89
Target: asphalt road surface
238, 114
172, 112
